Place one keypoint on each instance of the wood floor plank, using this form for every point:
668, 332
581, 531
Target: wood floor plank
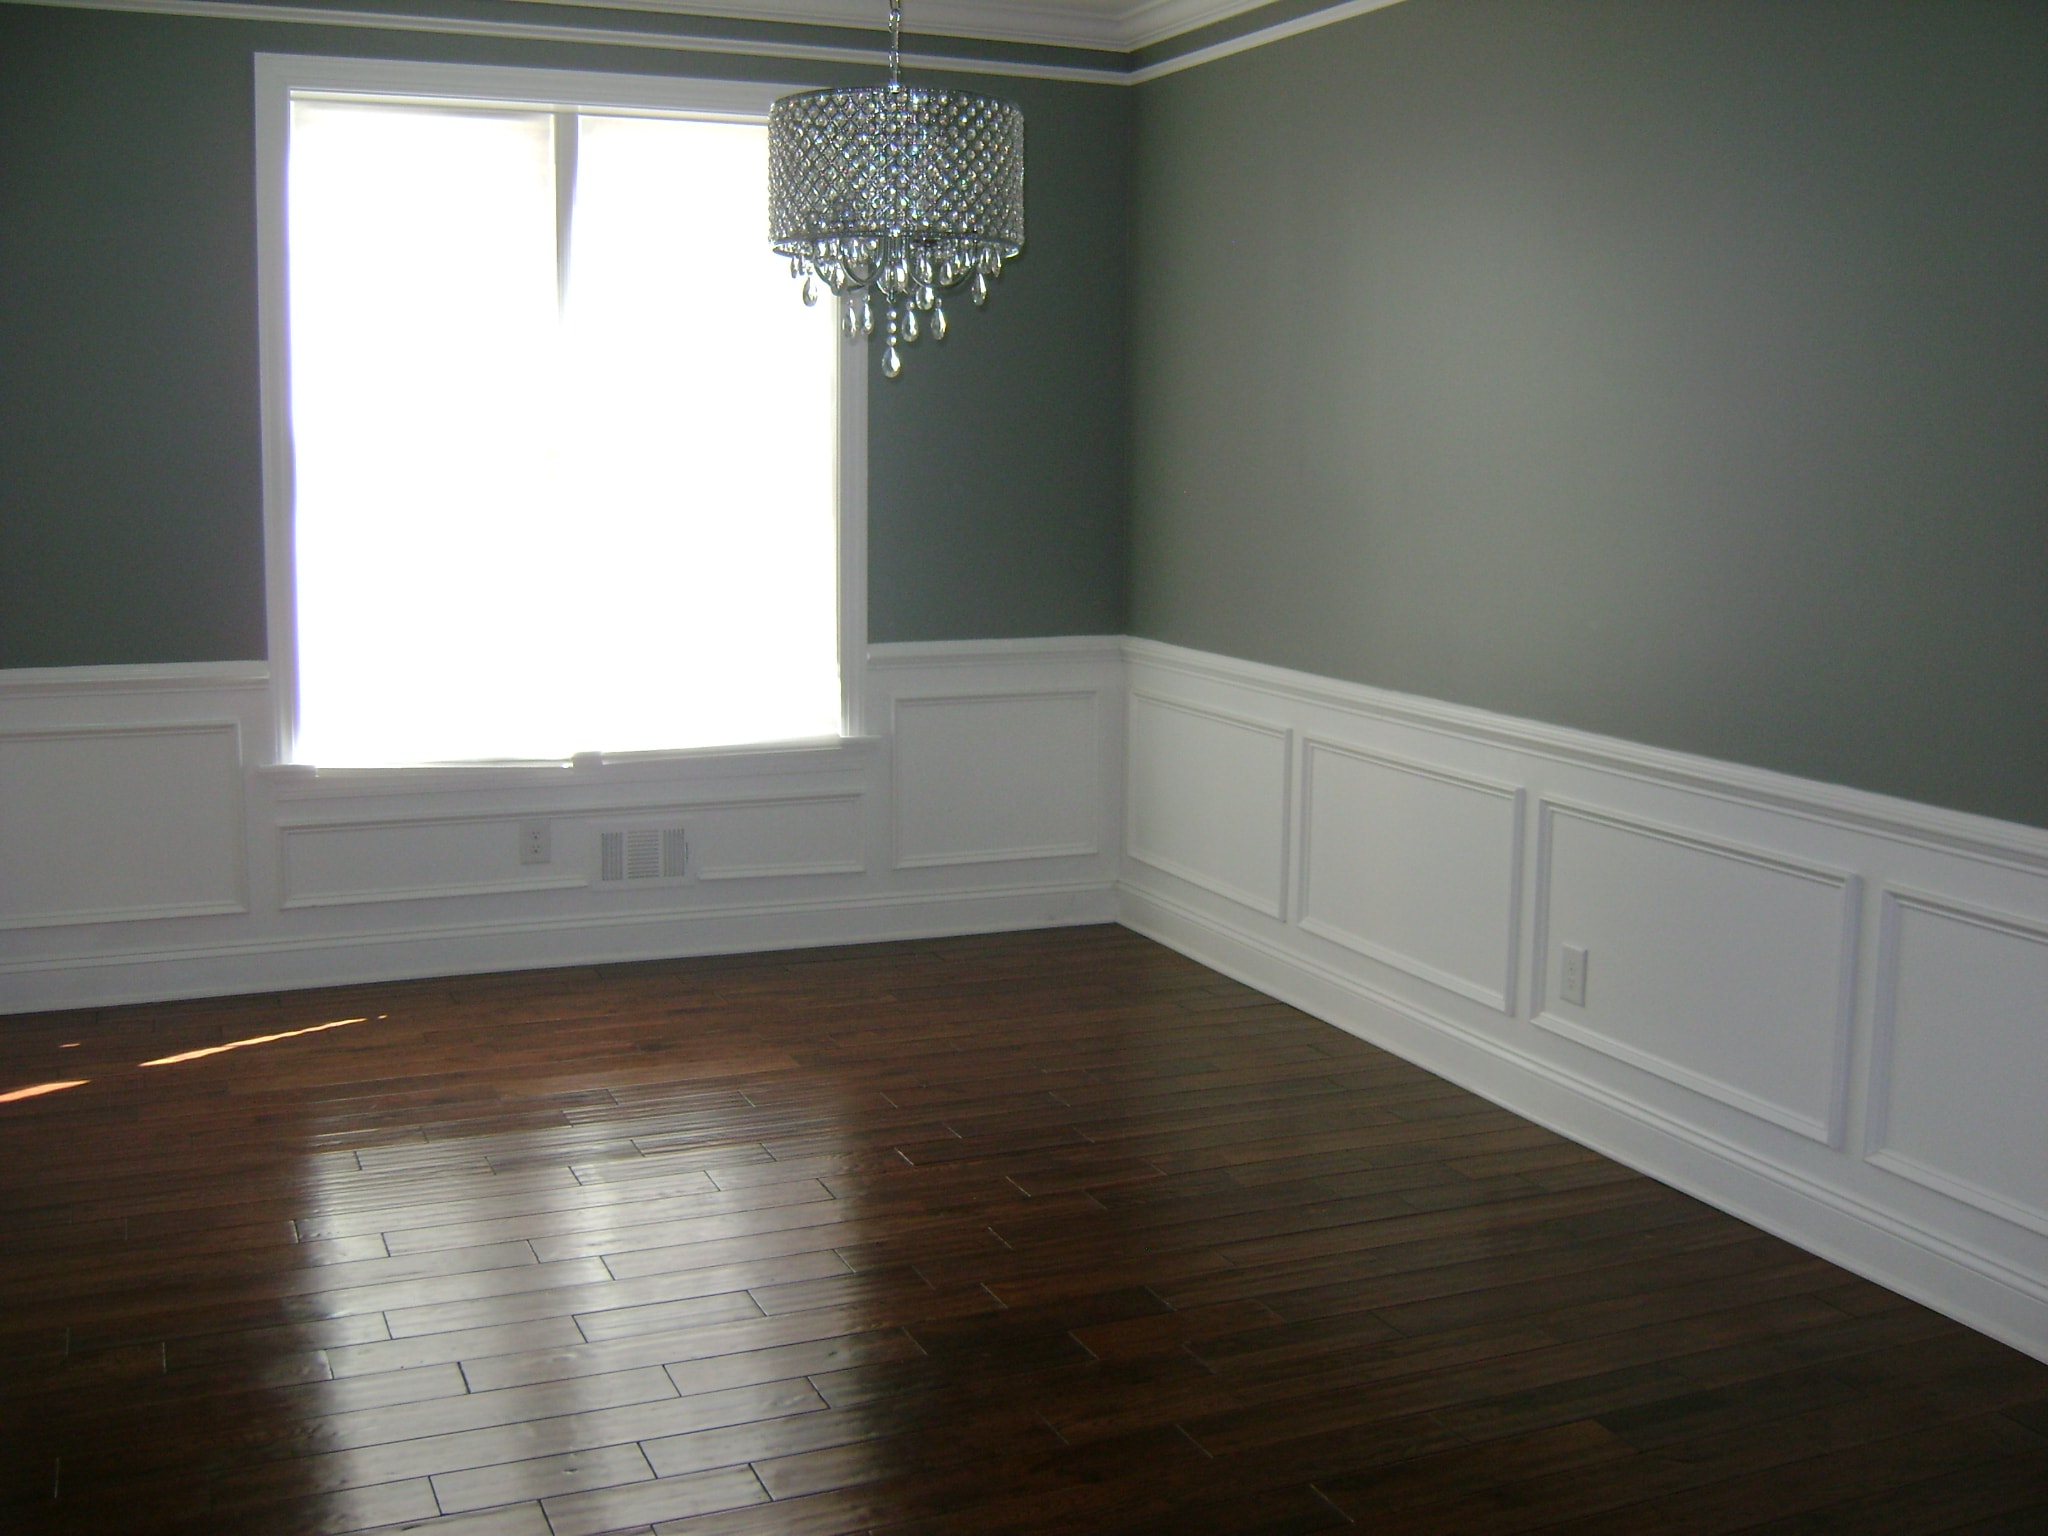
1014, 1233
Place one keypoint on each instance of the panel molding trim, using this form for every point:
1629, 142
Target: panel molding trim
1826, 1128
230, 864
297, 835
1501, 997
1895, 903
851, 801
565, 871
909, 794
1273, 904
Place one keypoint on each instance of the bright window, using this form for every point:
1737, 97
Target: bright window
564, 441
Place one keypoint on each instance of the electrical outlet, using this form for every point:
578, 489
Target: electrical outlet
536, 844
1571, 976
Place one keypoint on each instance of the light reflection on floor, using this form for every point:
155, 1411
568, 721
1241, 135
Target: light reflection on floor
572, 1367
236, 1045
39, 1089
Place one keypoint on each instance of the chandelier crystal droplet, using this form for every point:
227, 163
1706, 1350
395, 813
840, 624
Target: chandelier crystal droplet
891, 195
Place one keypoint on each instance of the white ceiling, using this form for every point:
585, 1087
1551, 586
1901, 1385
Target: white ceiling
1114, 24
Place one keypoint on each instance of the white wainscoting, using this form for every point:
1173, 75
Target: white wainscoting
1963, 1018
150, 849
1721, 968
1209, 799
1414, 867
986, 778
409, 858
822, 834
78, 847
1823, 1010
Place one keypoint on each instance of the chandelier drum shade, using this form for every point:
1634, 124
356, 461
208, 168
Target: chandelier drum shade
893, 195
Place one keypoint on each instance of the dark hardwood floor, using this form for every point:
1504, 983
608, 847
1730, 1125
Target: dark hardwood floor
1034, 1233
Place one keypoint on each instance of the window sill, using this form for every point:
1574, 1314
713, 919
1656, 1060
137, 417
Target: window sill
836, 754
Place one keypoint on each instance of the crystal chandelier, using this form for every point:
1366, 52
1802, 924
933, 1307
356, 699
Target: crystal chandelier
891, 195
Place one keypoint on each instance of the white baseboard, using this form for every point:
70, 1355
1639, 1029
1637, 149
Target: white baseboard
1819, 1009
396, 954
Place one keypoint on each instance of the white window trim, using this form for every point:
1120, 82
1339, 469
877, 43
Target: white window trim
278, 76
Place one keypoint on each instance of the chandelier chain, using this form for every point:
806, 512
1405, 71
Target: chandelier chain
895, 44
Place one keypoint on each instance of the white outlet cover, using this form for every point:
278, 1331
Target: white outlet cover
536, 843
1571, 980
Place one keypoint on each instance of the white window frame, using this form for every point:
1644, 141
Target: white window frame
278, 77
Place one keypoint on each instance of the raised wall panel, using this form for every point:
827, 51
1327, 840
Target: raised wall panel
106, 824
1720, 968
810, 835
1415, 867
416, 859
1960, 1085
983, 778
1209, 799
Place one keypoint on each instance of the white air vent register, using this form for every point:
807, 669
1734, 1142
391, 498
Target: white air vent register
642, 853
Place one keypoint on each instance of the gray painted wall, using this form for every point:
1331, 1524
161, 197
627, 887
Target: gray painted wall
130, 500
1669, 369
1674, 370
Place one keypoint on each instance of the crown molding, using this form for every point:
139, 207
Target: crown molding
1256, 37
1113, 31
1154, 21
623, 33
1072, 24
1108, 26
1117, 26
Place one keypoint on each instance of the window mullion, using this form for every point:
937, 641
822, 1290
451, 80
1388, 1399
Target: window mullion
568, 136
